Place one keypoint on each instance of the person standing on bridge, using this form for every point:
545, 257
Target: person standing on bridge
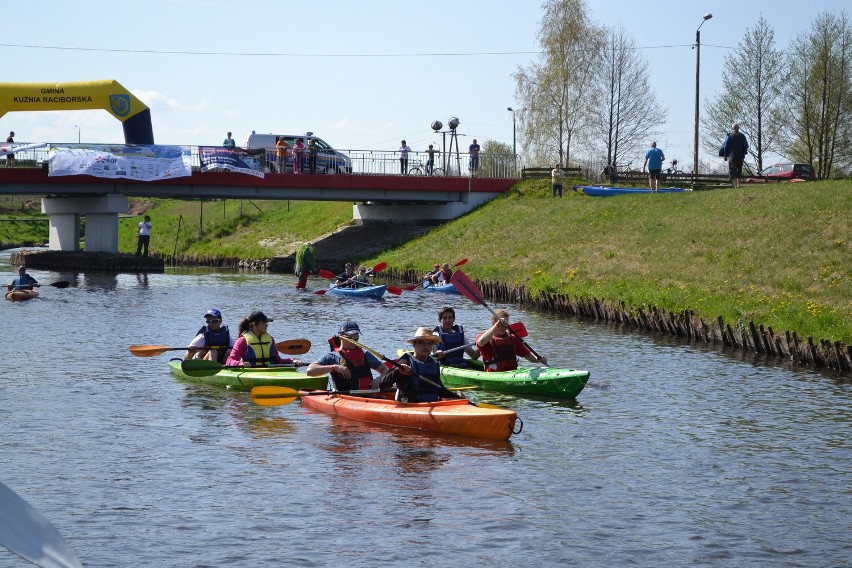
430, 159
10, 157
229, 142
473, 151
281, 146
313, 150
143, 236
298, 155
404, 149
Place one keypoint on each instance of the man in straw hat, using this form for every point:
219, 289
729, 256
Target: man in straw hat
413, 366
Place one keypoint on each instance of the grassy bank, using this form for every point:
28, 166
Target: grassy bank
777, 254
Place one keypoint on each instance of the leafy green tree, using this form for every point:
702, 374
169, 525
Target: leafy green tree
496, 159
819, 95
558, 92
752, 95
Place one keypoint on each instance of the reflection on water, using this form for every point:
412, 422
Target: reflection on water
672, 455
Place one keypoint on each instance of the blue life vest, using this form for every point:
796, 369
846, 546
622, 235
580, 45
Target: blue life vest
451, 340
411, 387
220, 338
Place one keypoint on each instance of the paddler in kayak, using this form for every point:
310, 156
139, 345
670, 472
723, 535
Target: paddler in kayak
410, 387
348, 367
452, 336
213, 341
255, 347
23, 281
500, 349
344, 279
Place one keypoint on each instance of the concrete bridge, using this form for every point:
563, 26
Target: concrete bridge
377, 199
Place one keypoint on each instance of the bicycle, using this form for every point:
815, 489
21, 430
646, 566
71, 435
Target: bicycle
610, 173
420, 170
673, 169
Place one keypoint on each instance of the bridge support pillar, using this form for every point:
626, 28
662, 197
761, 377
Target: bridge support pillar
371, 213
101, 214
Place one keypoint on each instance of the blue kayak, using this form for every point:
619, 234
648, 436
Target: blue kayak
607, 191
446, 288
365, 292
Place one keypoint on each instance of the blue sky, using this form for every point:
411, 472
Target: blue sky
361, 75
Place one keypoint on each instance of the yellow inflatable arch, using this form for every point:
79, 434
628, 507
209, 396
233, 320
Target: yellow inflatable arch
109, 95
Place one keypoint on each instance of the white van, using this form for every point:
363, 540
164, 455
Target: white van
329, 160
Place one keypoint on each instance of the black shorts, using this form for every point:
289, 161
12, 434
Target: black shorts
735, 166
654, 174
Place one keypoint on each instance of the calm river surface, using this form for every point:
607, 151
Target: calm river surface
672, 456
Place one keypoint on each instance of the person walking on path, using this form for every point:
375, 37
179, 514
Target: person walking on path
404, 149
229, 142
143, 236
654, 159
735, 149
556, 180
10, 157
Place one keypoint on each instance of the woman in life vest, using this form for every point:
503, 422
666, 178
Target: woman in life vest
255, 347
418, 379
348, 367
213, 341
452, 337
500, 349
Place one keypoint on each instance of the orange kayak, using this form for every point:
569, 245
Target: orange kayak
450, 416
21, 295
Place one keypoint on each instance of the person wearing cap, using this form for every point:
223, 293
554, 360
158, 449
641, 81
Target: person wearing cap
452, 336
213, 341
417, 366
23, 281
348, 366
500, 349
255, 347
428, 277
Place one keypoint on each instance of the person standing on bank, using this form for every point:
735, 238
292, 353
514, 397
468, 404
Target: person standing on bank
556, 180
10, 157
143, 236
404, 149
229, 142
735, 150
654, 159
213, 341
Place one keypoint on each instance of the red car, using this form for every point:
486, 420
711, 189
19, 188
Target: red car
786, 172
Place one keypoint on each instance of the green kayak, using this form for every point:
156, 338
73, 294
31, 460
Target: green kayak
544, 381
248, 378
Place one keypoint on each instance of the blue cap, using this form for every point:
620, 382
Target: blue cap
214, 313
349, 327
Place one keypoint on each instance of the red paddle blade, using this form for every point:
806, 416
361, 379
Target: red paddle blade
519, 328
467, 288
327, 274
462, 262
320, 292
380, 266
411, 287
394, 290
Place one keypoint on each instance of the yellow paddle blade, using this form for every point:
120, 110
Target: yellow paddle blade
273, 396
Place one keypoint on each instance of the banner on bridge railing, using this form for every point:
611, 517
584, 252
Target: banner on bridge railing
239, 160
140, 162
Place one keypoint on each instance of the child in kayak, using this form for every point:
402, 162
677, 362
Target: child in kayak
500, 349
348, 366
255, 347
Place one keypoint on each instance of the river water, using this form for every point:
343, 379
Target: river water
673, 455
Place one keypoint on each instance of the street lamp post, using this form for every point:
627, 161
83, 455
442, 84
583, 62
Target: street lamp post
514, 139
78, 133
707, 16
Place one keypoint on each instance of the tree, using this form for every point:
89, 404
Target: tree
558, 93
819, 95
496, 159
752, 88
629, 110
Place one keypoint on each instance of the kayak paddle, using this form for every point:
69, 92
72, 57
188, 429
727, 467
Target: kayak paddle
207, 368
27, 533
60, 284
470, 291
278, 396
291, 347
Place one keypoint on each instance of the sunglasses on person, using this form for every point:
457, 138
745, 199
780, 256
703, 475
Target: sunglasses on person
212, 320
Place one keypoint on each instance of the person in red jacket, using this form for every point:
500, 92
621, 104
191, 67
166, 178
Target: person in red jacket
500, 349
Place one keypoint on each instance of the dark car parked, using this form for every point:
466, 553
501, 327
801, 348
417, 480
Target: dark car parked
785, 172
